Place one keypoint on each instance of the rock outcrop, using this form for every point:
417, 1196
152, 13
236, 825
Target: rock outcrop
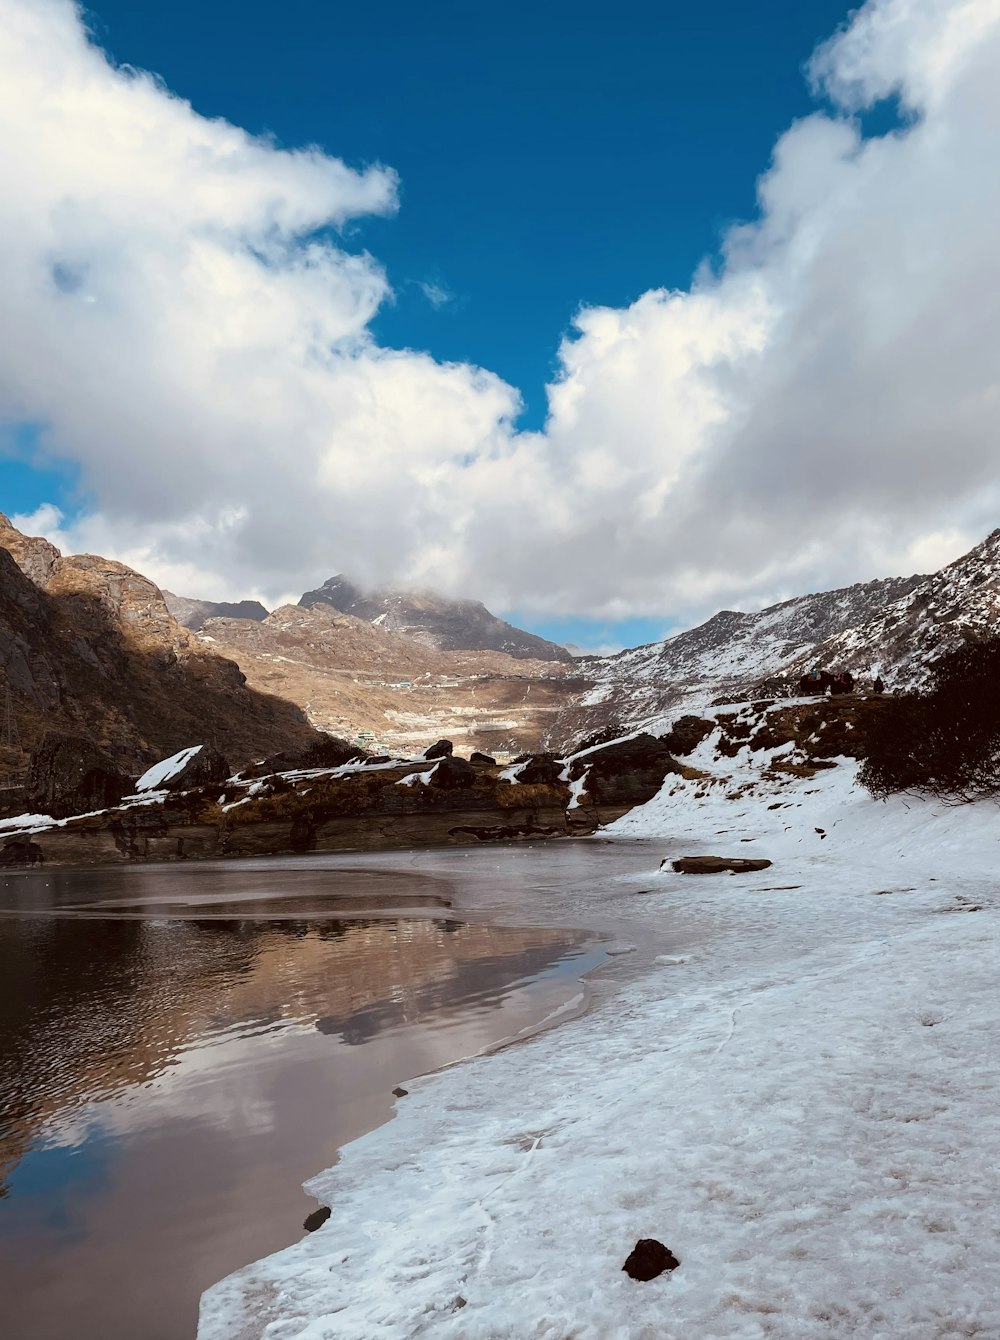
88, 648
194, 613
70, 775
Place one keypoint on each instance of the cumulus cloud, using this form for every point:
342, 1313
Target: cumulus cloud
179, 311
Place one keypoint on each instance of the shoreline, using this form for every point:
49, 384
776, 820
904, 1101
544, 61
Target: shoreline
751, 1105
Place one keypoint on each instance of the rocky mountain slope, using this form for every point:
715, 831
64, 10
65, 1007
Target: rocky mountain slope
193, 613
939, 614
448, 625
363, 680
88, 647
895, 627
725, 657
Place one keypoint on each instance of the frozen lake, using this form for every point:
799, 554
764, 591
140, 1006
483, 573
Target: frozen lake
181, 1046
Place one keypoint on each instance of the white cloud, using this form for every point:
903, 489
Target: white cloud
819, 409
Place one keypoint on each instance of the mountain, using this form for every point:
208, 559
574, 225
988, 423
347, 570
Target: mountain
896, 627
448, 625
728, 656
193, 613
938, 614
361, 679
89, 647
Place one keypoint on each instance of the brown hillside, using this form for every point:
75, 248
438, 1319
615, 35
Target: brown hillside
352, 676
88, 646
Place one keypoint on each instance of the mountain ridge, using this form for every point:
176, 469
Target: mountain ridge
435, 620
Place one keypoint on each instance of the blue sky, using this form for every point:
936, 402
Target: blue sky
550, 157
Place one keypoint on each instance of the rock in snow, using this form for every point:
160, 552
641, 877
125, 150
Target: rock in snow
649, 1258
716, 865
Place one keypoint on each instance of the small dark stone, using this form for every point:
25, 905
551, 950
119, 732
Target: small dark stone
399, 1093
648, 1259
317, 1219
479, 760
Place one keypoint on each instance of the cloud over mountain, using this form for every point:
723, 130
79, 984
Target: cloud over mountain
181, 313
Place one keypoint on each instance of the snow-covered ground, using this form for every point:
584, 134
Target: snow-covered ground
803, 1108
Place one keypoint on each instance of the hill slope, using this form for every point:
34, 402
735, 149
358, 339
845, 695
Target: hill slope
88, 647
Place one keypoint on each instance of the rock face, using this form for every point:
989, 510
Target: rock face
69, 775
193, 613
624, 773
448, 625
88, 648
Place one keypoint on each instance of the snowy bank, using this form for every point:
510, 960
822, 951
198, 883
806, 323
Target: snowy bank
804, 1111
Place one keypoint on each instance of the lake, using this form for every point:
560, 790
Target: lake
182, 1045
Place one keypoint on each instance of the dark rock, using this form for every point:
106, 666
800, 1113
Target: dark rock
204, 768
69, 775
443, 749
20, 851
648, 1259
541, 771
479, 760
614, 731
715, 865
317, 1219
686, 734
399, 1093
625, 772
329, 752
452, 773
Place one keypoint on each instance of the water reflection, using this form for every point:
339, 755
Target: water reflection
175, 1061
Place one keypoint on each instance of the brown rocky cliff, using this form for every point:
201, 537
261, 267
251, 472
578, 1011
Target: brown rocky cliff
89, 648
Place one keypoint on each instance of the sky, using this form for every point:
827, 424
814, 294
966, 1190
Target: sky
607, 318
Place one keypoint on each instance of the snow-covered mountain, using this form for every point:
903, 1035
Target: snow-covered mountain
897, 627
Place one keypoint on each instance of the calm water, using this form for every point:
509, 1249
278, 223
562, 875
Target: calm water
180, 1047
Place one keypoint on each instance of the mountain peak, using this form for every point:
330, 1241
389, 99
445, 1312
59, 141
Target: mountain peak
433, 619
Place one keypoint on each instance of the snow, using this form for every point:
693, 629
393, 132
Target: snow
161, 772
802, 1107
27, 822
412, 778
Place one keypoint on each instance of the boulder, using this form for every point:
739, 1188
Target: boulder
20, 851
443, 749
716, 865
626, 772
70, 775
317, 1219
687, 733
541, 771
329, 752
479, 760
204, 768
648, 1259
452, 773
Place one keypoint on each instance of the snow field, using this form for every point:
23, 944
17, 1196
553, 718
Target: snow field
803, 1109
